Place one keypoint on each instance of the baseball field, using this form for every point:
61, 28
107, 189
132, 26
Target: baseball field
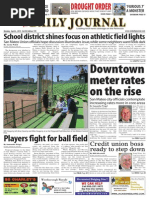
18, 97
28, 100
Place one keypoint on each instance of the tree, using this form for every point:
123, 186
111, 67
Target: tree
75, 77
81, 68
122, 7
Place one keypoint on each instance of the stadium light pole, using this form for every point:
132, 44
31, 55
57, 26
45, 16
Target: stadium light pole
46, 77
28, 79
39, 76
52, 82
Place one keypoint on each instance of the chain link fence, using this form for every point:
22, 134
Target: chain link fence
47, 80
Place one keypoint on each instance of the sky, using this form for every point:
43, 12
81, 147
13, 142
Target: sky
64, 71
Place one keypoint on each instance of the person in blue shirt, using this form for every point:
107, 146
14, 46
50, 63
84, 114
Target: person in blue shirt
70, 104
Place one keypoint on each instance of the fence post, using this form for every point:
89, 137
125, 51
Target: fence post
6, 112
14, 119
39, 88
22, 110
35, 109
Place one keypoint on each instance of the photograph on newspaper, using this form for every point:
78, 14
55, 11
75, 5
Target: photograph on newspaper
45, 96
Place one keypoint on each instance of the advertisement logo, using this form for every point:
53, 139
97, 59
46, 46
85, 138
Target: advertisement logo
23, 185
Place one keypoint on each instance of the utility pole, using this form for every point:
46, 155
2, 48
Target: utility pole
52, 81
39, 76
28, 79
46, 77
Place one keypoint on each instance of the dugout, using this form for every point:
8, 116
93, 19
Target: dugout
83, 78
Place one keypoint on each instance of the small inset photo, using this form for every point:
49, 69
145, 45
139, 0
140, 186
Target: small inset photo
119, 8
125, 114
60, 8
125, 161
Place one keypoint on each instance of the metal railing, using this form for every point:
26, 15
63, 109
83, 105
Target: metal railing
7, 106
16, 117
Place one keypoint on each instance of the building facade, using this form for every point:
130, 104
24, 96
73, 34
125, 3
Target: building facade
7, 72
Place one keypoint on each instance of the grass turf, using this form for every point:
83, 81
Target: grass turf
42, 119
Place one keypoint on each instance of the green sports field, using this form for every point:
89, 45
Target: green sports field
78, 92
22, 88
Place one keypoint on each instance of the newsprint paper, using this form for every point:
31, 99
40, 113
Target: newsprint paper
74, 101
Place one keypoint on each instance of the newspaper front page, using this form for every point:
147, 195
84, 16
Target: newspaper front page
74, 110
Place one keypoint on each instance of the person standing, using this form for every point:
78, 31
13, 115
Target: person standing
45, 101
